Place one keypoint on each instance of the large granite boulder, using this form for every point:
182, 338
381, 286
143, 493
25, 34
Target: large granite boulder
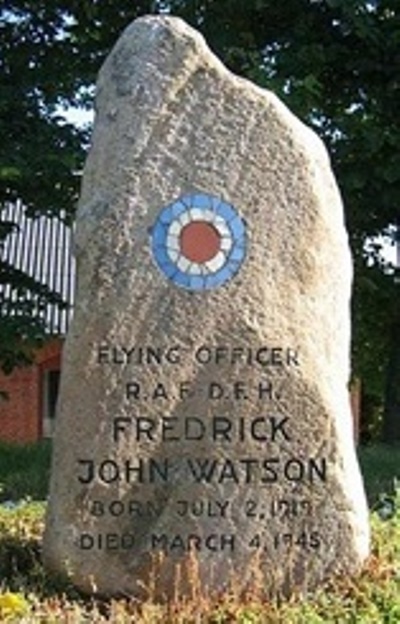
204, 422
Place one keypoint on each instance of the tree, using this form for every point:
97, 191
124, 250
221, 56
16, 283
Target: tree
39, 160
335, 62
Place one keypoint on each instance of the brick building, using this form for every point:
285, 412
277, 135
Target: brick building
41, 247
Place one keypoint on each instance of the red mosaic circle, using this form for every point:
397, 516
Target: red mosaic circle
199, 241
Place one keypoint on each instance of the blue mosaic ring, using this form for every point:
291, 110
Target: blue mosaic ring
199, 241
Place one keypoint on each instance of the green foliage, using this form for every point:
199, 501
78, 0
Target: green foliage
21, 529
24, 471
40, 158
380, 466
39, 155
335, 62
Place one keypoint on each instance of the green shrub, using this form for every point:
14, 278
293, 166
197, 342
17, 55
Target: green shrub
24, 471
380, 466
21, 528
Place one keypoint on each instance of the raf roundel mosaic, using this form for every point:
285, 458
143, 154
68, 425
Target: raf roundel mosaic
199, 241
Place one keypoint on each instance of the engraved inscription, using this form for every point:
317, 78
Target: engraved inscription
220, 426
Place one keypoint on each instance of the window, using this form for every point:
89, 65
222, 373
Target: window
51, 382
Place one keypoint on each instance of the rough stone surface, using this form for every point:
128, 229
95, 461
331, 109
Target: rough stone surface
283, 500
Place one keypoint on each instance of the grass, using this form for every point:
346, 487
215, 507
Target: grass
24, 471
29, 595
380, 466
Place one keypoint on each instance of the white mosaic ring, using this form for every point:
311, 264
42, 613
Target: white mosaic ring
199, 241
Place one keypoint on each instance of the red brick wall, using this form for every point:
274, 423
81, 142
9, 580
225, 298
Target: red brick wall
21, 414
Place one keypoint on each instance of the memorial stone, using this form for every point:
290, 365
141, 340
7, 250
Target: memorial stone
203, 418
